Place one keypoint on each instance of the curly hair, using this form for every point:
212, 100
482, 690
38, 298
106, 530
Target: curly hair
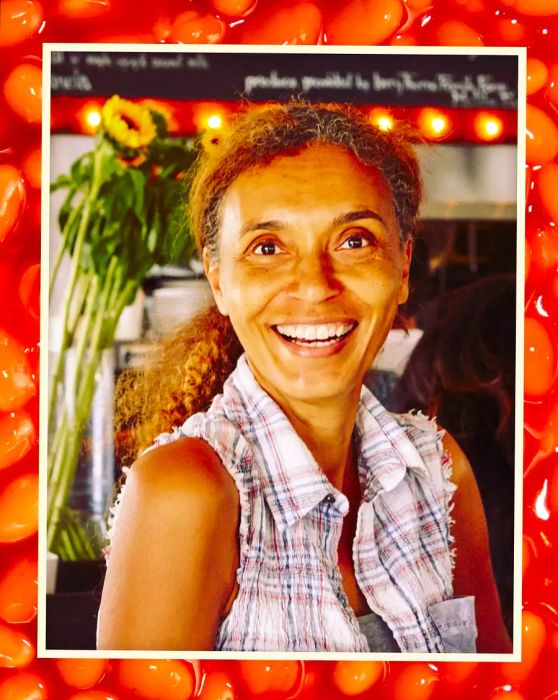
192, 365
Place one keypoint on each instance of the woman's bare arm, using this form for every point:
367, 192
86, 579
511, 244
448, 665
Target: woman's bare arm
473, 573
174, 553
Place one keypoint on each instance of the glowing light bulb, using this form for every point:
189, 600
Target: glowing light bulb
93, 118
433, 123
488, 127
382, 119
214, 121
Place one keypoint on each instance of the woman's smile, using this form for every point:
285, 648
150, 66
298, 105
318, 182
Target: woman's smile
310, 271
318, 339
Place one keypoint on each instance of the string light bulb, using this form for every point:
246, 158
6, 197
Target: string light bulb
214, 121
93, 118
487, 126
433, 123
89, 117
382, 119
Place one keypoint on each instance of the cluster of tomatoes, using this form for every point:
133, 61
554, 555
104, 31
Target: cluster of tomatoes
24, 26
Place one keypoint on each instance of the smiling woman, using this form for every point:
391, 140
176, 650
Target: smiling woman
288, 510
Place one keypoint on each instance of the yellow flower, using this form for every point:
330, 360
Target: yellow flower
127, 123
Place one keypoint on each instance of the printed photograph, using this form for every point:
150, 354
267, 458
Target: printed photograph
282, 340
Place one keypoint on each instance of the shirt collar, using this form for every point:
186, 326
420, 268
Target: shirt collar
292, 482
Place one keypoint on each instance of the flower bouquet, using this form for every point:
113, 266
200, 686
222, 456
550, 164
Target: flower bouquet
124, 212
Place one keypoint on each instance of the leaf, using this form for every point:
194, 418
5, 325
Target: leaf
82, 170
61, 182
66, 208
138, 181
160, 123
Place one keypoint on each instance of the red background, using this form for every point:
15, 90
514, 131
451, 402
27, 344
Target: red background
24, 25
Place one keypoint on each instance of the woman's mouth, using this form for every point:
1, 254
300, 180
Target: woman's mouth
315, 335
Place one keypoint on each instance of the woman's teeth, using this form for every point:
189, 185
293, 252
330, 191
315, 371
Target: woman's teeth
317, 335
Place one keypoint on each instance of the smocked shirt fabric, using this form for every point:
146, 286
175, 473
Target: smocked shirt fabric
290, 594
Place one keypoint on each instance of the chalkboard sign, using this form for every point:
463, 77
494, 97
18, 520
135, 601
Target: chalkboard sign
407, 80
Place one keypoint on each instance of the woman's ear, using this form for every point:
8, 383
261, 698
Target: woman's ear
212, 272
405, 271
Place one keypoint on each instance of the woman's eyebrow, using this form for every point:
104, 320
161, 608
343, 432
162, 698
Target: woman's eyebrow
261, 225
275, 225
351, 216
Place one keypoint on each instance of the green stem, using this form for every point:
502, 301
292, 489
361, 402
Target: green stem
63, 473
81, 294
64, 244
74, 276
65, 547
60, 442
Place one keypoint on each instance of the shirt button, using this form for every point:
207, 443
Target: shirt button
330, 498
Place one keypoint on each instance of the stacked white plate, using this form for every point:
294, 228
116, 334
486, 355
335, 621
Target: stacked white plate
177, 303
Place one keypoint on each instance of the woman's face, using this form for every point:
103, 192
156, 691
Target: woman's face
310, 271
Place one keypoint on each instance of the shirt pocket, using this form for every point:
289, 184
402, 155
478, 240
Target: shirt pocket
455, 621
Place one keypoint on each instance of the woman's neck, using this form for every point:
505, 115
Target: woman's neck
327, 430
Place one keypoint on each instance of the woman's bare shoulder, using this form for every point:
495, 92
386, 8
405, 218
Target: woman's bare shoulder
189, 468
174, 552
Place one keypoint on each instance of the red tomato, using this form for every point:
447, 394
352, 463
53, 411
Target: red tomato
16, 382
551, 92
217, 686
81, 673
507, 694
537, 8
365, 22
23, 686
16, 649
29, 290
294, 23
18, 592
83, 9
17, 437
354, 677
23, 92
32, 166
19, 20
233, 8
506, 29
262, 677
552, 497
540, 359
18, 508
533, 637
456, 33
419, 5
403, 40
192, 27
417, 681
457, 672
544, 245
12, 200
160, 679
93, 695
542, 136
547, 181
528, 257
528, 553
537, 74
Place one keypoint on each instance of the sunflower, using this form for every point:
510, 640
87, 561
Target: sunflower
129, 125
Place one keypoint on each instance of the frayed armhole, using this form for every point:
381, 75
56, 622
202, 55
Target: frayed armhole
449, 488
430, 424
114, 510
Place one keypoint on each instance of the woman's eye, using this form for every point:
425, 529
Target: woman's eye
266, 248
356, 241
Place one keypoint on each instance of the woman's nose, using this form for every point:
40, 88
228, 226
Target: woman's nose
314, 279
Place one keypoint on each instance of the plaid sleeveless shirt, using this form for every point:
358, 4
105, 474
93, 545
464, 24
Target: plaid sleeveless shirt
290, 595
